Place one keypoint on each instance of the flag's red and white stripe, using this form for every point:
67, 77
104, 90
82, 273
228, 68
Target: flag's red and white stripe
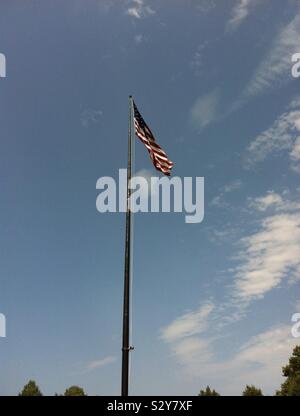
159, 158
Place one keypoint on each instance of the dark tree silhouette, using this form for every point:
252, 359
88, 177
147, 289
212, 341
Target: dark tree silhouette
30, 389
74, 391
208, 392
252, 391
291, 386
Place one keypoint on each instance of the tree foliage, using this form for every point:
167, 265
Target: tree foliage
252, 391
30, 389
208, 392
291, 386
74, 391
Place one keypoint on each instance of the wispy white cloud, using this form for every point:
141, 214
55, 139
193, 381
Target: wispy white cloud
197, 59
192, 353
90, 116
219, 200
276, 66
295, 155
271, 254
240, 12
206, 6
182, 336
267, 257
283, 135
101, 363
262, 203
93, 365
138, 38
190, 323
233, 186
222, 234
259, 360
204, 110
139, 9
275, 201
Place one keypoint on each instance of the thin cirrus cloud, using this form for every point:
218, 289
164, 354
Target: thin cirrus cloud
190, 323
220, 199
258, 359
276, 66
282, 136
90, 116
139, 9
205, 110
273, 70
255, 359
138, 39
275, 201
233, 186
271, 199
197, 61
271, 254
182, 336
295, 156
268, 257
240, 12
93, 365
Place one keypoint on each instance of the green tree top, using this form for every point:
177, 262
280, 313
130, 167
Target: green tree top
208, 392
74, 391
30, 389
291, 386
293, 367
252, 391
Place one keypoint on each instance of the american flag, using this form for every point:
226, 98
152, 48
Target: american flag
159, 158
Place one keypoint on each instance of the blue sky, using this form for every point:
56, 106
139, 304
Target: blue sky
212, 302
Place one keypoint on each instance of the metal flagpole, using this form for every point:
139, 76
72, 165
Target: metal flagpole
126, 305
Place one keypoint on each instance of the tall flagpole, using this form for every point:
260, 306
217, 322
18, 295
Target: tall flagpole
126, 305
